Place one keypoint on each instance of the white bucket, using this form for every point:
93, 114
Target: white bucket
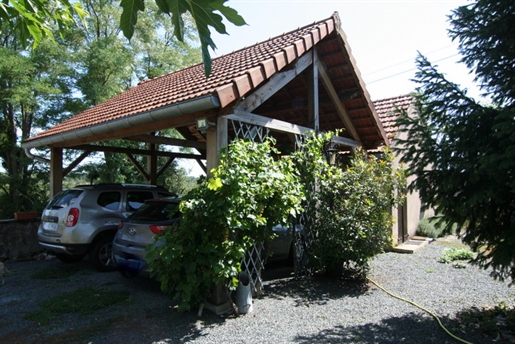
244, 294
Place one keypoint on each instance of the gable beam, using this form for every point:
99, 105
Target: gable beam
276, 82
340, 108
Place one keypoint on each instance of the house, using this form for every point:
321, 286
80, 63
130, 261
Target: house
407, 216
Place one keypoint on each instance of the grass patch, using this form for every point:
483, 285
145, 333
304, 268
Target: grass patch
452, 244
80, 301
55, 273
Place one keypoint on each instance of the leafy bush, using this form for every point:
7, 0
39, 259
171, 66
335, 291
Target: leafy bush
433, 227
351, 208
248, 193
456, 254
429, 228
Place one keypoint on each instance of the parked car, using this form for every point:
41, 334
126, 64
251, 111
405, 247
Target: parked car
138, 230
84, 219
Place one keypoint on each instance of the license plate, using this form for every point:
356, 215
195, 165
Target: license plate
50, 226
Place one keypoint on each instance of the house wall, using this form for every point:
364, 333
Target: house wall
412, 212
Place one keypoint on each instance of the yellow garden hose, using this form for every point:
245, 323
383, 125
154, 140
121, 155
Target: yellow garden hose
422, 308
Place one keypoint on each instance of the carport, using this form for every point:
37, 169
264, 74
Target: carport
302, 80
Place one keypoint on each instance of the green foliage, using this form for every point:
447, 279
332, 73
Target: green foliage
351, 208
248, 193
203, 12
463, 152
432, 227
455, 254
36, 20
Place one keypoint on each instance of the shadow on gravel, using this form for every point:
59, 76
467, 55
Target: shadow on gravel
412, 328
279, 283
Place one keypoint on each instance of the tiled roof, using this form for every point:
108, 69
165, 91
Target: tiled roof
238, 74
385, 109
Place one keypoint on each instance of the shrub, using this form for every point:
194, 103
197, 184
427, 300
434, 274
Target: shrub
456, 254
433, 227
351, 208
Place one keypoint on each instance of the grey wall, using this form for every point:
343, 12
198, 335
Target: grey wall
18, 239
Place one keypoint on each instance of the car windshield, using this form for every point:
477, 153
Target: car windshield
64, 198
156, 211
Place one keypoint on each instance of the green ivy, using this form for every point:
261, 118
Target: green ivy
247, 194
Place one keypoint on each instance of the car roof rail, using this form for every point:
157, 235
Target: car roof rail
122, 185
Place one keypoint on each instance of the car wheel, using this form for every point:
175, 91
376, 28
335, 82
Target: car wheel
101, 254
69, 258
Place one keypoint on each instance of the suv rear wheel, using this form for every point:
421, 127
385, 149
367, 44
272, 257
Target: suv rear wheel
101, 254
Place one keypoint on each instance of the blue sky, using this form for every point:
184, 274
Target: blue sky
384, 36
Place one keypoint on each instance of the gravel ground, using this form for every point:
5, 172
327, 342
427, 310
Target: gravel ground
313, 310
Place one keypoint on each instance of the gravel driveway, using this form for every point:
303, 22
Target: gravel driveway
313, 310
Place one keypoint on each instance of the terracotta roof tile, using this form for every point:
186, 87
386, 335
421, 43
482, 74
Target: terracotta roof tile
228, 79
385, 109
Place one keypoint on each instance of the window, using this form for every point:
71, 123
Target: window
110, 200
135, 199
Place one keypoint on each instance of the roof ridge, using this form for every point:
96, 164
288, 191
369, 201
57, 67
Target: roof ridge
335, 16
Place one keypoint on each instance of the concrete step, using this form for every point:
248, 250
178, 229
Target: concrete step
412, 245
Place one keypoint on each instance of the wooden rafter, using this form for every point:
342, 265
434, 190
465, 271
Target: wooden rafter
340, 108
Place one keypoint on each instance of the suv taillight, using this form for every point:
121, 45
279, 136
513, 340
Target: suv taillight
73, 217
157, 229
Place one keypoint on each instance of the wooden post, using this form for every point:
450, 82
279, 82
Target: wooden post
313, 100
216, 138
56, 171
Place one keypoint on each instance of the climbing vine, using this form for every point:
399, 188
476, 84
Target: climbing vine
250, 191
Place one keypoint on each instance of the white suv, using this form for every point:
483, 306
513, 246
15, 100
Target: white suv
84, 219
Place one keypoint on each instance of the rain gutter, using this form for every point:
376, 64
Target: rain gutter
198, 104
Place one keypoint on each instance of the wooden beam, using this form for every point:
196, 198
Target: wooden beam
212, 149
56, 171
202, 166
282, 126
167, 141
139, 151
276, 82
152, 164
75, 162
137, 165
313, 95
340, 108
165, 166
221, 133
